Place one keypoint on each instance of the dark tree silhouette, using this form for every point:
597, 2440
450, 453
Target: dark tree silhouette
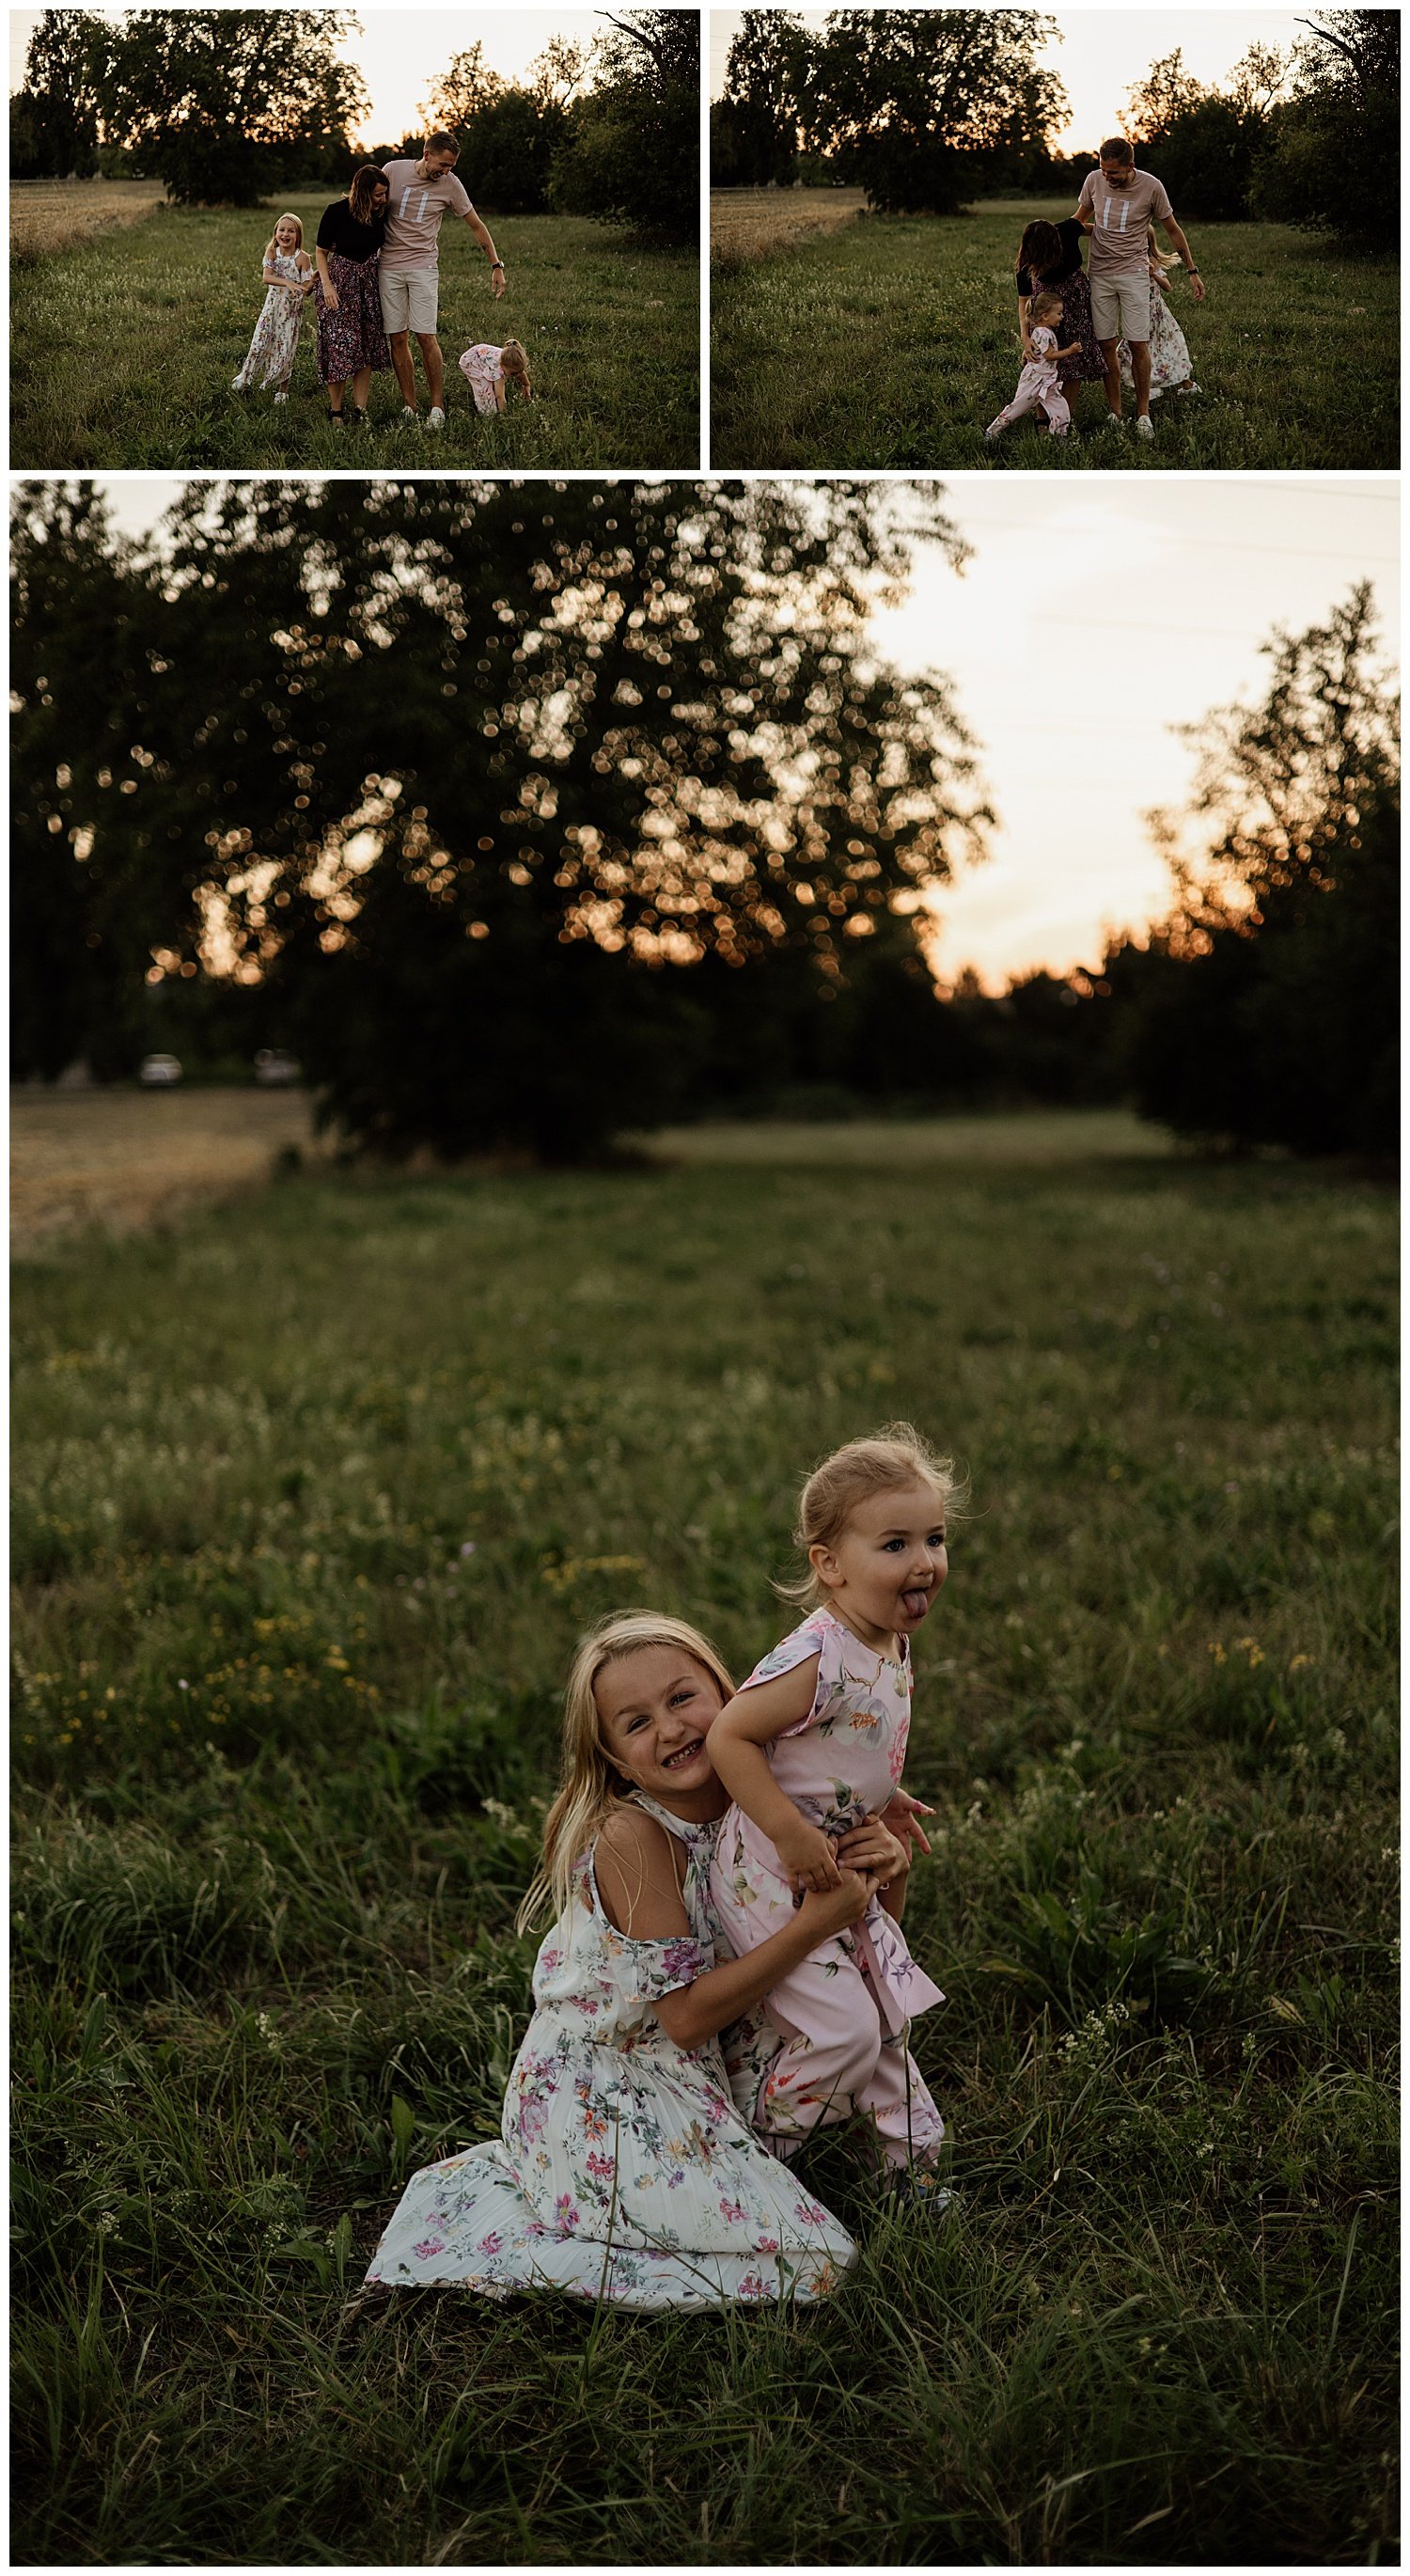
632, 152
466, 774
904, 97
1274, 1020
220, 101
54, 117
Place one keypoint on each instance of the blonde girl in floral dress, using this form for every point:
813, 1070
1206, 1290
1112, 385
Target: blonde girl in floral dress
1172, 367
813, 1744
289, 276
623, 2170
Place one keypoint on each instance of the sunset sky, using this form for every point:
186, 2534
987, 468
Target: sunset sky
400, 51
1100, 54
1091, 619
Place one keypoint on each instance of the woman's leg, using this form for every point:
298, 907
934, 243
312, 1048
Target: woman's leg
335, 399
361, 387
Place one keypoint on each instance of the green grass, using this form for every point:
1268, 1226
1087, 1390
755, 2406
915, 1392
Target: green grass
893, 342
124, 351
279, 1742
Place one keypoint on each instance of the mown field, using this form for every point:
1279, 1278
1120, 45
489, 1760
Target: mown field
48, 215
313, 1494
750, 223
123, 350
116, 1157
894, 341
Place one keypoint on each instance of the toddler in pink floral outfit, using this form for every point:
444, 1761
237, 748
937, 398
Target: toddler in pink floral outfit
1038, 388
810, 1747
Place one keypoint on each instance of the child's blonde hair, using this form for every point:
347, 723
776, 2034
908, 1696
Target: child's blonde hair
590, 1783
885, 1463
514, 360
1042, 305
274, 236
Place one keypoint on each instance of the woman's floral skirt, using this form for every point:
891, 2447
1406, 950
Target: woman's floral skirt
353, 337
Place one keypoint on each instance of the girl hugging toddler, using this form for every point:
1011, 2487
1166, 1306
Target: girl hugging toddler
289, 275
623, 2170
813, 1745
1038, 387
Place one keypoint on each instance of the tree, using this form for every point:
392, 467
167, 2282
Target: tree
557, 74
459, 93
54, 118
1205, 143
1158, 102
904, 96
757, 117
483, 781
510, 135
632, 152
87, 921
1334, 161
224, 103
509, 148
1274, 1019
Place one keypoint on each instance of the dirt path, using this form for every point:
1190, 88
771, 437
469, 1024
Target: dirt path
123, 1158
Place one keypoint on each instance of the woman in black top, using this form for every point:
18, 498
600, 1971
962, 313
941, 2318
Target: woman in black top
351, 341
1050, 258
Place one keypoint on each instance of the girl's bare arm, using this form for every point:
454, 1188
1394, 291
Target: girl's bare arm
636, 1880
744, 1726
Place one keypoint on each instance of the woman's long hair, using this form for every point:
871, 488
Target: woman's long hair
364, 180
1040, 248
590, 1784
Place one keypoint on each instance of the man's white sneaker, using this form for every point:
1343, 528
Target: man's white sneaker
1114, 420
281, 398
1145, 426
409, 412
435, 418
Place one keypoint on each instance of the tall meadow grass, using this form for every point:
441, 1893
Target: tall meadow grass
313, 1495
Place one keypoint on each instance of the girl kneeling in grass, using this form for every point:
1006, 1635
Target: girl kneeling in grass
623, 2170
814, 1743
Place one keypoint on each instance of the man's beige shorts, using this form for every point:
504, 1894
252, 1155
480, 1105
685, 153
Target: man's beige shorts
409, 300
1121, 306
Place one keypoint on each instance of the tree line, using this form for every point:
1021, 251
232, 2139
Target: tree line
526, 813
226, 106
927, 109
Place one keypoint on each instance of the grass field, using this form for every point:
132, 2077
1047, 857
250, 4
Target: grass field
279, 1742
752, 223
124, 350
893, 342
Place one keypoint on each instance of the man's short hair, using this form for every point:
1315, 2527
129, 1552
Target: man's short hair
1118, 149
448, 143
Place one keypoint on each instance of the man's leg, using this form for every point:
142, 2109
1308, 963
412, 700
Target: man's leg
1141, 373
399, 342
1111, 360
435, 367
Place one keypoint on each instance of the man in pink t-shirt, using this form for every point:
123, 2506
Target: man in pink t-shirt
1117, 203
408, 269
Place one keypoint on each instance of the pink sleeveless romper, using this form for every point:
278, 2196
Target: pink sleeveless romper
830, 2039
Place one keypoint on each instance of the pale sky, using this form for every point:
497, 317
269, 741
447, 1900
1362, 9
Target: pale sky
1091, 618
1100, 54
401, 51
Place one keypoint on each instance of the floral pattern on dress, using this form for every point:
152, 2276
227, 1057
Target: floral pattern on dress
1171, 363
269, 359
623, 2170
